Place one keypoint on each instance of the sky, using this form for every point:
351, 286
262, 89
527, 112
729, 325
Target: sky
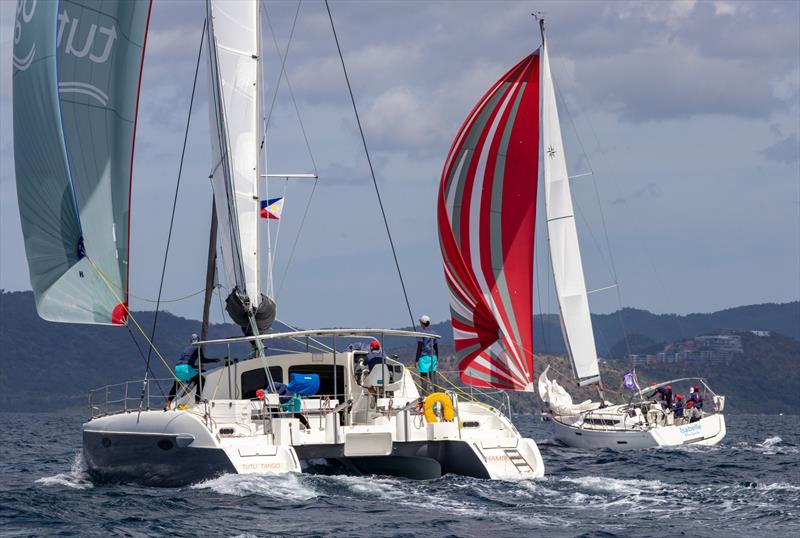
687, 114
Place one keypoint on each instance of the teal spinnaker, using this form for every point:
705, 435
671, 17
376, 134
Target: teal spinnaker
77, 71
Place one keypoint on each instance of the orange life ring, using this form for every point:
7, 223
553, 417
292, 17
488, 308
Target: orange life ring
447, 407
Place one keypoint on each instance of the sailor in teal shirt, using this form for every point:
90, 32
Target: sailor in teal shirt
427, 356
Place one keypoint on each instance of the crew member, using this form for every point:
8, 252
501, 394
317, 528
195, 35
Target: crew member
664, 395
696, 397
375, 355
291, 403
677, 408
692, 412
187, 372
427, 358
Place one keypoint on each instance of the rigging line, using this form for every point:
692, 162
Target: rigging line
141, 354
296, 239
539, 295
278, 230
175, 198
283, 56
128, 313
289, 86
371, 169
179, 299
602, 214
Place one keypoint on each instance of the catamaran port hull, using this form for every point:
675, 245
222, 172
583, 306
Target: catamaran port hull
707, 431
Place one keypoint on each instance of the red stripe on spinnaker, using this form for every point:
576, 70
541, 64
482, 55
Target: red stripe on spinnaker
505, 317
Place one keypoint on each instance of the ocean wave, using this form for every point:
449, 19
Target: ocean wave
617, 485
76, 478
285, 487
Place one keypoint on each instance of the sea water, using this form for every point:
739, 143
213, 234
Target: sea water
749, 485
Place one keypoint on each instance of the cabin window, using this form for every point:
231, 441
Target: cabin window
325, 373
253, 380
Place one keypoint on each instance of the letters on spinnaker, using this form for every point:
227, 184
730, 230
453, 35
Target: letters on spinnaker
77, 68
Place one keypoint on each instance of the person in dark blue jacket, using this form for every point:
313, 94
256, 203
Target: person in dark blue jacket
677, 408
664, 395
375, 355
187, 372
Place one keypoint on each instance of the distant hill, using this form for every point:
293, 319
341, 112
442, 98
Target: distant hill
765, 379
47, 365
645, 328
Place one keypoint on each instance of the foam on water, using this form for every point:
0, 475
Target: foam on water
771, 441
287, 487
617, 485
76, 478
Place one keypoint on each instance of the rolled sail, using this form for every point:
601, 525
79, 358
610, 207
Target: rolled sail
233, 41
77, 68
486, 213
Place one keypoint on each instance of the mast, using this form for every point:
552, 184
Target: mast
211, 271
562, 236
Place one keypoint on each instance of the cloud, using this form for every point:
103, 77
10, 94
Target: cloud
650, 191
786, 150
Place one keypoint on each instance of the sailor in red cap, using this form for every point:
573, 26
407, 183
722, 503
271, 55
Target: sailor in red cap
677, 407
692, 412
696, 397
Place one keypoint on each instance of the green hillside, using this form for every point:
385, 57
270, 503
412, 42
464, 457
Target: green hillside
50, 366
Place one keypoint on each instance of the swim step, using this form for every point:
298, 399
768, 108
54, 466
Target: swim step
518, 460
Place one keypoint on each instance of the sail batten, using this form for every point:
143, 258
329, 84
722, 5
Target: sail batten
486, 213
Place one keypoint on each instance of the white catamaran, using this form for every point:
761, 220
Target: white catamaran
77, 72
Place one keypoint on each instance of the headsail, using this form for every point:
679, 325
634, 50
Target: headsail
77, 68
486, 213
573, 303
234, 105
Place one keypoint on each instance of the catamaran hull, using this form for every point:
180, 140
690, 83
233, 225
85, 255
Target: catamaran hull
175, 449
705, 432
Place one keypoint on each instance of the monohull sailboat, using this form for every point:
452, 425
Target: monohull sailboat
77, 72
487, 222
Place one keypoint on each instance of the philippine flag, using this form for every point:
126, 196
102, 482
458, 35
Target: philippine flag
272, 208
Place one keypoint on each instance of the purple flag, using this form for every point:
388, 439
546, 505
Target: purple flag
629, 380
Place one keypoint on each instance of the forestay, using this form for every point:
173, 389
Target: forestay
77, 68
486, 213
573, 303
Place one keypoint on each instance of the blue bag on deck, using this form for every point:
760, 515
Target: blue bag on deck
303, 384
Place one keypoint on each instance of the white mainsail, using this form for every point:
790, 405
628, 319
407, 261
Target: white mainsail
573, 303
234, 103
